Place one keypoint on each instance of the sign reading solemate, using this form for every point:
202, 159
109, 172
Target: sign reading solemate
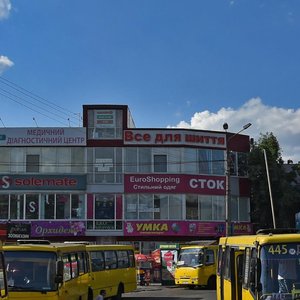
42, 182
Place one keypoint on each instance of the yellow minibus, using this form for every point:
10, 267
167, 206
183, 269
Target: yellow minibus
263, 266
43, 270
113, 269
3, 278
196, 265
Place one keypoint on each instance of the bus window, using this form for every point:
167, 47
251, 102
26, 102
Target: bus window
97, 261
210, 258
110, 259
123, 259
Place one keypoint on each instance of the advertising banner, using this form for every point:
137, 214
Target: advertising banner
57, 228
171, 183
183, 228
18, 230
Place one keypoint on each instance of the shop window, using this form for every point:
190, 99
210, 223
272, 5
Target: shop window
63, 206
4, 206
32, 206
131, 206
192, 211
161, 206
47, 206
16, 206
130, 161
175, 207
145, 206
104, 206
77, 206
205, 207
160, 163
32, 163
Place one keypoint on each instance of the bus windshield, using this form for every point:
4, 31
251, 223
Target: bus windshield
31, 270
192, 257
280, 270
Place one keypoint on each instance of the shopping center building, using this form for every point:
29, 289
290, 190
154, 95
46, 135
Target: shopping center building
109, 181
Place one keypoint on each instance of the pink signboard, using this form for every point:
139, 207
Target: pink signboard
171, 183
183, 228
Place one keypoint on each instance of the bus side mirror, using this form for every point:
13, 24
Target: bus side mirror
255, 268
60, 272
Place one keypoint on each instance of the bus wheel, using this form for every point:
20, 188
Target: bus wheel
119, 293
211, 284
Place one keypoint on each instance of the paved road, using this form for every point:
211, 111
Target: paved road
171, 293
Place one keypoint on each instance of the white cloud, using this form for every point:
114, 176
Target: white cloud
284, 123
5, 63
5, 7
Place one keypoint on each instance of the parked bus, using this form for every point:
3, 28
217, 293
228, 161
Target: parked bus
264, 266
44, 270
196, 265
3, 278
113, 269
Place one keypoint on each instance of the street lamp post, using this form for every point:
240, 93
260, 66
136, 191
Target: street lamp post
227, 173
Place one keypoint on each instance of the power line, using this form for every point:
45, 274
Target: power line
59, 111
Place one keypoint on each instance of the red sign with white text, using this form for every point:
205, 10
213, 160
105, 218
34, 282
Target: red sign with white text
171, 183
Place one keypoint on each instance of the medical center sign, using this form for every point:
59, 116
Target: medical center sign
163, 183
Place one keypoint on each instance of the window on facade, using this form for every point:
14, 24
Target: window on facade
242, 164
131, 206
63, 206
47, 206
16, 206
192, 207
77, 206
161, 207
131, 160
104, 165
32, 206
204, 161
190, 161
205, 207
175, 207
145, 206
104, 206
4, 160
32, 163
105, 124
4, 206
218, 208
218, 162
145, 160
232, 163
240, 209
160, 163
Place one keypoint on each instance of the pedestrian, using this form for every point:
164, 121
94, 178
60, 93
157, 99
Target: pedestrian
101, 295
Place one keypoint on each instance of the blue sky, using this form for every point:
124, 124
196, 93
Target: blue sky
177, 63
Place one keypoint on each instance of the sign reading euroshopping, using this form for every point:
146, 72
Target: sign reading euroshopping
38, 136
42, 182
174, 183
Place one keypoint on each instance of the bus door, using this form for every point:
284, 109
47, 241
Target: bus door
239, 273
230, 281
220, 273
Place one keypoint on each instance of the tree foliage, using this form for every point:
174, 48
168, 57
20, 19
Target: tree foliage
284, 193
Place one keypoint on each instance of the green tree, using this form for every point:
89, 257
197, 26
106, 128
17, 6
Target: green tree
285, 195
